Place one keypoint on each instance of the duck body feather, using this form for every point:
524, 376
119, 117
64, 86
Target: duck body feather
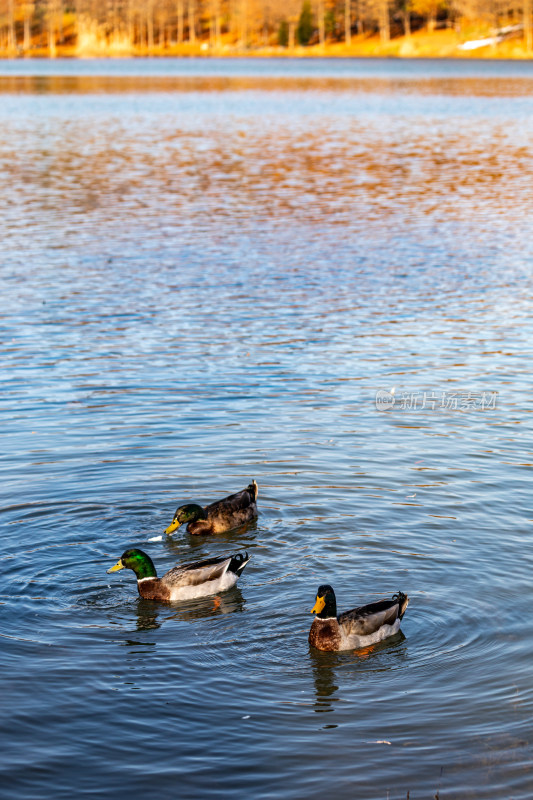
185, 581
198, 579
223, 515
359, 627
230, 512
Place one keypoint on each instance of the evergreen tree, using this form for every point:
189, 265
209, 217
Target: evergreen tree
305, 28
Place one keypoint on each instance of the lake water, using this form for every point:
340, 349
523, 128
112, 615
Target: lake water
209, 269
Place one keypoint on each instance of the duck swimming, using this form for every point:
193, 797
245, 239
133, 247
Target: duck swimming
357, 628
185, 581
223, 515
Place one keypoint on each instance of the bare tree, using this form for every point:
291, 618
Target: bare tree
148, 24
384, 21
191, 8
347, 21
51, 20
528, 29
28, 10
321, 23
11, 36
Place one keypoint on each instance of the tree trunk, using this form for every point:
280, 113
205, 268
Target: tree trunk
179, 32
232, 20
77, 11
130, 23
321, 25
27, 29
218, 25
360, 23
150, 26
528, 28
211, 24
60, 22
244, 23
384, 22
192, 32
11, 37
292, 25
407, 21
347, 22
51, 29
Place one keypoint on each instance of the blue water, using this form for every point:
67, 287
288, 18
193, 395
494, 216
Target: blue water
208, 281
389, 68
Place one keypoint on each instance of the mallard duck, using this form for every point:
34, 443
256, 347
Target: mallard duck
360, 627
231, 512
197, 579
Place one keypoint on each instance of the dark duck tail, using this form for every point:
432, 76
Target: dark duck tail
238, 563
403, 602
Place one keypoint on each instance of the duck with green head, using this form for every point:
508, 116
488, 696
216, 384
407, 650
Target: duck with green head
223, 515
183, 582
357, 628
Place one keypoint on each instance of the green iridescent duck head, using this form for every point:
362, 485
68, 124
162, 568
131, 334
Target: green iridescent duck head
188, 513
138, 561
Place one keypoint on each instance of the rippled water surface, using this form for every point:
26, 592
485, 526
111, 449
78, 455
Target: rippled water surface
209, 269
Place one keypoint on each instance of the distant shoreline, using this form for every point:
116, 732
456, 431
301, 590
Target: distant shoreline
444, 44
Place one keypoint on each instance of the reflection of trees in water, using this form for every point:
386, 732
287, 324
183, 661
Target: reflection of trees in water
414, 168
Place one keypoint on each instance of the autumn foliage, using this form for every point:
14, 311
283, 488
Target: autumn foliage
181, 27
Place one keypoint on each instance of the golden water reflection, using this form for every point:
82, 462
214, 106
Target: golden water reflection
341, 159
118, 84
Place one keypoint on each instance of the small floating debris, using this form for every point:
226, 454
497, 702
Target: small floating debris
155, 539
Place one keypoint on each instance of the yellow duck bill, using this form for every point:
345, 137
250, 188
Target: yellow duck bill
318, 606
172, 527
118, 565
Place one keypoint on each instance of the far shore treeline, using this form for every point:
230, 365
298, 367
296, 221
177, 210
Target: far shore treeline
498, 28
